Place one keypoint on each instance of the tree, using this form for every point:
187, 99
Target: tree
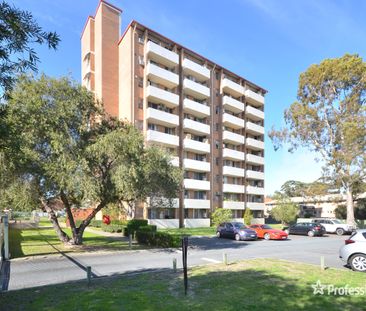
341, 211
221, 215
248, 216
54, 142
285, 211
329, 118
18, 32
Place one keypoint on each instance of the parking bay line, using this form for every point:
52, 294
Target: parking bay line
210, 260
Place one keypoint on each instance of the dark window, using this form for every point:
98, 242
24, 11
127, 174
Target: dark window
140, 104
141, 82
217, 76
216, 127
217, 144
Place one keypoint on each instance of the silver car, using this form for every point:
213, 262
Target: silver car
353, 253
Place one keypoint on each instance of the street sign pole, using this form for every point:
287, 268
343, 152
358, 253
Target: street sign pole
184, 254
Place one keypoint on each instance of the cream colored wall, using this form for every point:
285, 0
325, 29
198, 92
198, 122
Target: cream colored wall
87, 45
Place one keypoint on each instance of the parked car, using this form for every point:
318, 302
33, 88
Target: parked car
235, 230
306, 228
353, 253
268, 233
332, 225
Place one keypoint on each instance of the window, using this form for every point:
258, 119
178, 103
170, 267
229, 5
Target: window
217, 161
141, 60
140, 82
141, 39
140, 103
152, 127
217, 110
217, 76
216, 127
217, 144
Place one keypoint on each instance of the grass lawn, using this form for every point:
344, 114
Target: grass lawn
247, 285
41, 241
204, 231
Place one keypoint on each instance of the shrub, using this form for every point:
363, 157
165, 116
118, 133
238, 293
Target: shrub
114, 226
148, 228
134, 224
160, 239
221, 215
96, 223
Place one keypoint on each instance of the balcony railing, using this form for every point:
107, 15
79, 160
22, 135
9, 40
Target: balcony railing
195, 165
196, 146
161, 54
254, 128
232, 121
233, 171
196, 184
254, 159
195, 127
255, 190
162, 138
162, 76
196, 70
196, 108
232, 87
234, 205
255, 206
156, 95
232, 104
255, 144
231, 188
196, 203
234, 155
255, 175
254, 113
233, 138
161, 117
254, 98
195, 89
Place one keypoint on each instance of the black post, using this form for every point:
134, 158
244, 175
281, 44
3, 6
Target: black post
184, 254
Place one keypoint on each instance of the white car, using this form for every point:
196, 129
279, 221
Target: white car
335, 226
354, 252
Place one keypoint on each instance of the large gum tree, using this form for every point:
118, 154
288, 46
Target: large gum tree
329, 118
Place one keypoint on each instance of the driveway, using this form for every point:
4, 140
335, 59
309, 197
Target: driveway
52, 269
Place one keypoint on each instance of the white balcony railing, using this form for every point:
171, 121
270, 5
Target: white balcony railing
195, 89
195, 165
255, 175
196, 108
232, 87
195, 127
255, 206
162, 138
254, 113
196, 203
233, 171
161, 117
254, 128
161, 54
232, 104
233, 138
254, 159
196, 70
255, 190
232, 121
196, 222
196, 146
231, 188
156, 95
234, 205
196, 184
234, 155
162, 76
254, 98
254, 143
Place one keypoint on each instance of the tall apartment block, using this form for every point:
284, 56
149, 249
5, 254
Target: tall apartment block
210, 119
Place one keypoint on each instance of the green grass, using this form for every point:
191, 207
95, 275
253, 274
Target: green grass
42, 241
204, 231
248, 285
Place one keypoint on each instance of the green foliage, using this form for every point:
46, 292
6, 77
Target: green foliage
134, 224
148, 228
341, 211
285, 211
220, 215
294, 188
159, 239
114, 226
18, 32
360, 210
96, 223
248, 216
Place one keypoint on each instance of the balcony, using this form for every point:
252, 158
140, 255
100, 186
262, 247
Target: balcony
232, 121
233, 205
195, 127
195, 89
233, 138
162, 138
175, 161
160, 96
233, 171
196, 184
196, 146
254, 159
195, 165
254, 98
232, 104
255, 190
255, 206
255, 144
255, 175
195, 108
161, 55
162, 76
232, 87
231, 188
196, 70
234, 155
254, 128
161, 117
254, 113
196, 203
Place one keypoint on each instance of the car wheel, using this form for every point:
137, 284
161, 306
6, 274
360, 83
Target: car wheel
311, 233
218, 234
267, 236
237, 237
340, 231
358, 262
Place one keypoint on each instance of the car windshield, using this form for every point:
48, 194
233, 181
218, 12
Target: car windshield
337, 221
266, 227
240, 226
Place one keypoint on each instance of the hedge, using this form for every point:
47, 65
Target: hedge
160, 239
133, 225
114, 226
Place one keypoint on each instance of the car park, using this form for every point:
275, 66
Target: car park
353, 253
236, 230
306, 228
268, 233
333, 225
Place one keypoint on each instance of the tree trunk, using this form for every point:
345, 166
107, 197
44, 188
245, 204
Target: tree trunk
53, 218
350, 208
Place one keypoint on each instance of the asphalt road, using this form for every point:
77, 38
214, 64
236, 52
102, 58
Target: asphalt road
52, 269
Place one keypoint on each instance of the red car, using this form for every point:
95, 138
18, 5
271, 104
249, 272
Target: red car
268, 233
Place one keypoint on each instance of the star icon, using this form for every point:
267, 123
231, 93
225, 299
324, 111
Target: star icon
318, 288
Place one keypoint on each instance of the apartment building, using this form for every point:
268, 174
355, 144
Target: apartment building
209, 119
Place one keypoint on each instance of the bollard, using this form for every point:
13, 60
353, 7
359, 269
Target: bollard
130, 241
322, 263
224, 258
88, 274
174, 265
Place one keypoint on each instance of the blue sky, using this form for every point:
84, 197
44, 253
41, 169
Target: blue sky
269, 42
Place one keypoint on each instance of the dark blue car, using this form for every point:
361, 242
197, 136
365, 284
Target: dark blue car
235, 230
